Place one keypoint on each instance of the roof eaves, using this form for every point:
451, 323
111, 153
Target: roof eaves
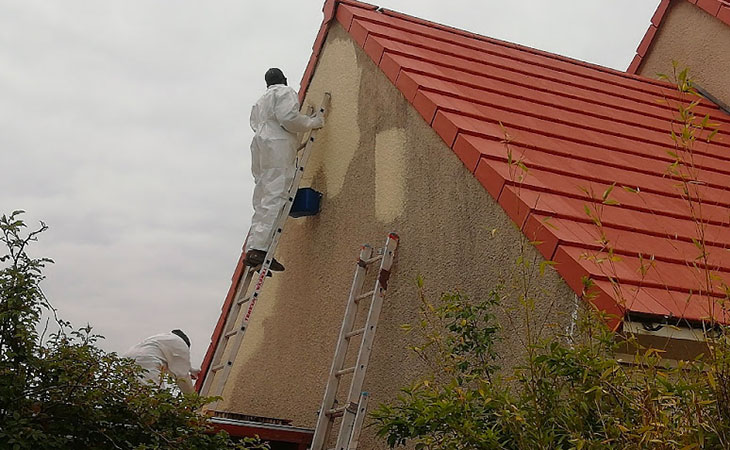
716, 8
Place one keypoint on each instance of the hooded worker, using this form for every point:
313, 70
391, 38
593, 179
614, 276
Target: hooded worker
275, 120
167, 352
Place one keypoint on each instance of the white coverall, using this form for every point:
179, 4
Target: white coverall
275, 120
160, 352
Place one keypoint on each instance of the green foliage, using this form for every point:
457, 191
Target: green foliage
63, 392
567, 393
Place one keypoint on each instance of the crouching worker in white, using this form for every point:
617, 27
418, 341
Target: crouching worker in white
168, 352
275, 120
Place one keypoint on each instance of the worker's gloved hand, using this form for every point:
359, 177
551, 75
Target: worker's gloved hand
194, 373
318, 121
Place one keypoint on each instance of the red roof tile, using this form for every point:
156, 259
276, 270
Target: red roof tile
578, 129
717, 8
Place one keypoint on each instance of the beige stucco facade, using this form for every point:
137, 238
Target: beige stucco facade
381, 168
696, 40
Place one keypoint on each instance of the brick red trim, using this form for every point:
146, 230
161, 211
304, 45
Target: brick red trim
282, 434
716, 8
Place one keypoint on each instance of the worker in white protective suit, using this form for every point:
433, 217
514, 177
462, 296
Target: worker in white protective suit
275, 120
167, 352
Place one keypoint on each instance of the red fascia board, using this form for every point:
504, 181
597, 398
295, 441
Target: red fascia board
635, 63
265, 433
646, 42
661, 10
716, 8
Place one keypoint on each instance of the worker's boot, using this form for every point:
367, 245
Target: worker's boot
255, 258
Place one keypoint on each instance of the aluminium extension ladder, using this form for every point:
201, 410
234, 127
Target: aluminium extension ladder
214, 382
353, 410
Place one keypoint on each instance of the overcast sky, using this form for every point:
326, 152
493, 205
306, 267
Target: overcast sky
123, 125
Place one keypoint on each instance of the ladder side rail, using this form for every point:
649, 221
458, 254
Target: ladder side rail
230, 323
291, 193
278, 228
381, 284
324, 422
362, 407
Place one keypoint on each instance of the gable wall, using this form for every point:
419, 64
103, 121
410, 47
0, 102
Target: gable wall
381, 168
694, 39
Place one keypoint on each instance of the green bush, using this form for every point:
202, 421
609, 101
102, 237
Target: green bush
63, 392
568, 392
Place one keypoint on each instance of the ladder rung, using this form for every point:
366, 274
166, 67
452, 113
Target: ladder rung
245, 300
233, 332
336, 412
354, 333
339, 373
367, 262
363, 296
215, 369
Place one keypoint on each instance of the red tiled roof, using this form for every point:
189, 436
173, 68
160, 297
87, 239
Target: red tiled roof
717, 8
574, 126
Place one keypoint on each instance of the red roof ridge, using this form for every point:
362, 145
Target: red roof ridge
330, 8
716, 8
520, 47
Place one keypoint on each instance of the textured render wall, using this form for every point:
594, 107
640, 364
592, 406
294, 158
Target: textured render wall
381, 169
696, 40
